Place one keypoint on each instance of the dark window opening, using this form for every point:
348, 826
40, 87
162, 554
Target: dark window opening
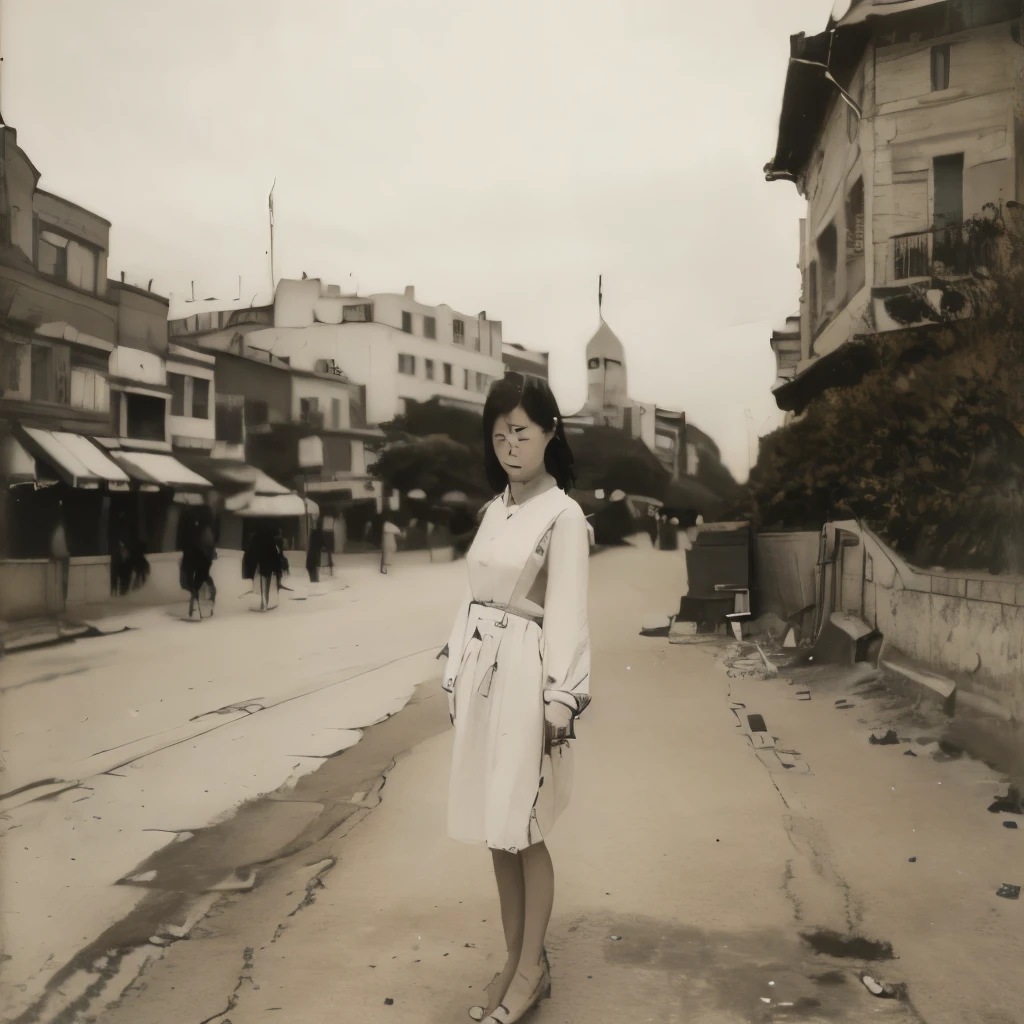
855, 269
357, 314
828, 258
146, 417
459, 332
429, 327
200, 398
407, 322
230, 419
176, 382
42, 373
940, 68
428, 366
447, 373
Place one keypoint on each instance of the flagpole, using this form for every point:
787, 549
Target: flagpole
270, 201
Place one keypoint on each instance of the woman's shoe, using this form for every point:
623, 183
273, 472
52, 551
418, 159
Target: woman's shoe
525, 992
479, 1012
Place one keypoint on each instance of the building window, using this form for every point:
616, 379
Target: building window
53, 255
459, 332
146, 417
42, 373
828, 258
428, 368
89, 390
429, 327
200, 398
855, 278
361, 314
308, 409
190, 396
406, 364
229, 419
949, 190
465, 379
65, 260
940, 68
336, 413
447, 373
407, 322
176, 382
476, 343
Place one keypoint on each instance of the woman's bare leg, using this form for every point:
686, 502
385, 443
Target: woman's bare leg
539, 883
508, 873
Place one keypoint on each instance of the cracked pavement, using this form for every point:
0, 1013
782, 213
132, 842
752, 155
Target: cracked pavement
734, 852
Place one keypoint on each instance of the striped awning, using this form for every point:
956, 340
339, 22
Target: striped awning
77, 461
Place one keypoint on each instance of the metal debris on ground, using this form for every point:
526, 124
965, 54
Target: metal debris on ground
888, 740
1009, 824
803, 694
913, 860
1008, 892
909, 753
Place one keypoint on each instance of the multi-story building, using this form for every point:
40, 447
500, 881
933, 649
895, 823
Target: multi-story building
400, 349
524, 360
82, 387
900, 126
305, 429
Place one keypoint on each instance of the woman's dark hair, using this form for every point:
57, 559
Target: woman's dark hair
538, 402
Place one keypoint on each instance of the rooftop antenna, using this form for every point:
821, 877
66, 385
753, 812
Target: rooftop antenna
600, 296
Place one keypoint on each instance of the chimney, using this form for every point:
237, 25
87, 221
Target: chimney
482, 315
410, 291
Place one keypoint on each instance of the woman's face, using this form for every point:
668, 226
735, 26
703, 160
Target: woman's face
520, 445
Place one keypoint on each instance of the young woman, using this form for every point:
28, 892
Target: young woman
517, 675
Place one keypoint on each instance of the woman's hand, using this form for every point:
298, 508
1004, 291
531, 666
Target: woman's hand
558, 719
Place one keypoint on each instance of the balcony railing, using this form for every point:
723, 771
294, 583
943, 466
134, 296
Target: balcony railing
953, 250
911, 256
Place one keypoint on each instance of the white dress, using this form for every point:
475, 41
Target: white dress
521, 638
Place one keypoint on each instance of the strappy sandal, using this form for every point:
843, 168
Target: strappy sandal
541, 989
479, 1012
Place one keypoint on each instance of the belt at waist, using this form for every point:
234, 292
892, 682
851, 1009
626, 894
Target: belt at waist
499, 612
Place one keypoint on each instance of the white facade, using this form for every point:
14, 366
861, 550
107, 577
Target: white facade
399, 348
192, 419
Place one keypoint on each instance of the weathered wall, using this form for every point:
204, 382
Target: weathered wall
786, 572
968, 626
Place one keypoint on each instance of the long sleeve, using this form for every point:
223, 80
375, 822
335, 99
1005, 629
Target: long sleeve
566, 648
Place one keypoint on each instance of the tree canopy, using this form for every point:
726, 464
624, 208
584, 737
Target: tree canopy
927, 446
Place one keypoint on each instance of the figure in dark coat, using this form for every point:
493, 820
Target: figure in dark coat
264, 557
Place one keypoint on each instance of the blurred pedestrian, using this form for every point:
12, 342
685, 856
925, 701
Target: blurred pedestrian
390, 532
314, 550
61, 555
264, 560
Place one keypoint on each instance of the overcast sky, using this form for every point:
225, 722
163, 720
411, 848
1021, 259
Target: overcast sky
498, 156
